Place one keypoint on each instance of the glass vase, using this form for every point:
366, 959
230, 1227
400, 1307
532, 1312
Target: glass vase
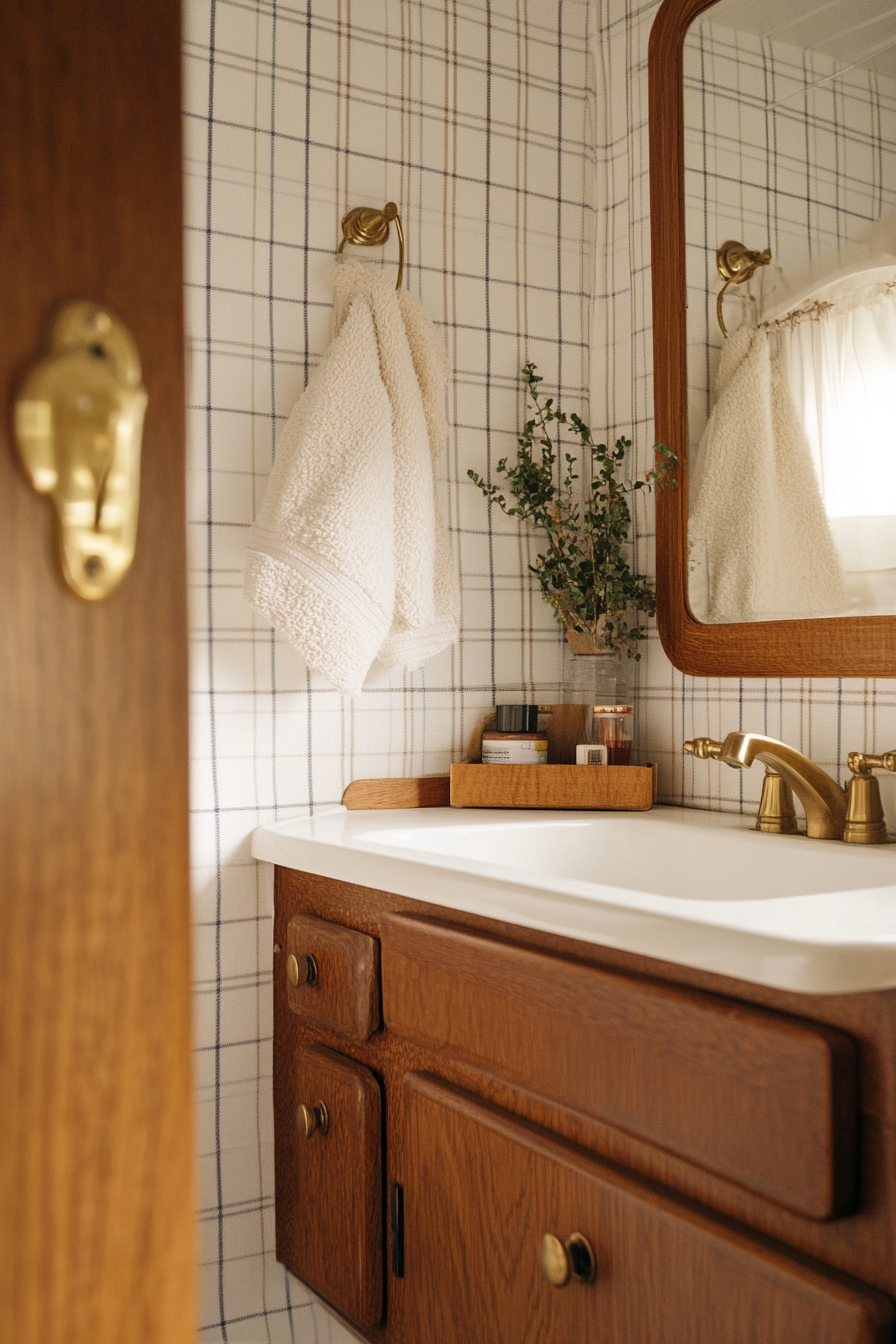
599, 678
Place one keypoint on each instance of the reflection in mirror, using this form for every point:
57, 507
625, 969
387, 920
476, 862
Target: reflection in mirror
790, 145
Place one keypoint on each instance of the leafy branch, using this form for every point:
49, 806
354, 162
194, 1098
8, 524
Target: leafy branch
584, 573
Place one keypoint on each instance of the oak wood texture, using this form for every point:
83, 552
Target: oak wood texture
766, 1101
346, 995
329, 1207
97, 1217
481, 1190
842, 647
859, 1244
588, 788
425, 791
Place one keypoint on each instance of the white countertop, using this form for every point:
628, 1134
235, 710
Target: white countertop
701, 889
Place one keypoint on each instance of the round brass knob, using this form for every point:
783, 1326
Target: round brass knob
311, 1120
554, 1260
573, 1259
301, 970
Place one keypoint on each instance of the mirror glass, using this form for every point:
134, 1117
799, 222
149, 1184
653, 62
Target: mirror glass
790, 169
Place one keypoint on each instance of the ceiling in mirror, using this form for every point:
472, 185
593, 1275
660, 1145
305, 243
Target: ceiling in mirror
790, 150
856, 33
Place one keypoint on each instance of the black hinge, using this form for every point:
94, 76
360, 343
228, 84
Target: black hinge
396, 1222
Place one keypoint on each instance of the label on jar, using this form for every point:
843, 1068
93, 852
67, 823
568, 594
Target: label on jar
514, 750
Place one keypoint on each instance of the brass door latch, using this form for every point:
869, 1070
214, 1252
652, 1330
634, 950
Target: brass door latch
79, 426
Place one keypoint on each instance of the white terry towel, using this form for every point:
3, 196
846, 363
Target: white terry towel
757, 519
344, 554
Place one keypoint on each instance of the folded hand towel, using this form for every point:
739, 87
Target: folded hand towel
348, 557
757, 519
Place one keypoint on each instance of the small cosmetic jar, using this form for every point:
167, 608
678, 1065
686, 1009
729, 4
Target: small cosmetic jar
515, 738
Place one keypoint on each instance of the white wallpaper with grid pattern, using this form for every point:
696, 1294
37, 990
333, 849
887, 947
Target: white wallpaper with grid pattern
824, 718
474, 118
803, 173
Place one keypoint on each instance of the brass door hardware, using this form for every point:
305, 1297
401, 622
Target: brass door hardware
865, 823
735, 264
311, 1120
573, 1258
302, 970
366, 227
79, 426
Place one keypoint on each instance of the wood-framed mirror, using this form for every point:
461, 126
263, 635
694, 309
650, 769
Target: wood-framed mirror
846, 645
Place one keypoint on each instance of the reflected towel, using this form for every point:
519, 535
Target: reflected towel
757, 520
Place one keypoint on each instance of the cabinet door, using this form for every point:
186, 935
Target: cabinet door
329, 1184
481, 1191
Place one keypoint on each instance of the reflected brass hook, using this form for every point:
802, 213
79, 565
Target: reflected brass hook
366, 227
79, 425
735, 264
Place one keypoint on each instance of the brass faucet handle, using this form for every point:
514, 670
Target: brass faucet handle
861, 763
865, 823
704, 748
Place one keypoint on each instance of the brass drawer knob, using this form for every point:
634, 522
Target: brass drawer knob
301, 970
573, 1259
311, 1120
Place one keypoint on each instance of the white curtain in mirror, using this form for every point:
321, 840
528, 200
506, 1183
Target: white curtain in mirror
839, 358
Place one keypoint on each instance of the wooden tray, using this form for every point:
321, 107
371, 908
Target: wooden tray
610, 788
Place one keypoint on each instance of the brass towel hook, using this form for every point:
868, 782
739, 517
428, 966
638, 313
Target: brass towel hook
735, 264
366, 227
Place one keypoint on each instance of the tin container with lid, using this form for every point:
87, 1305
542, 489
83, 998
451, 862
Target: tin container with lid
515, 738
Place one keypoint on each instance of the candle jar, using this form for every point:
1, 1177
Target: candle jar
611, 726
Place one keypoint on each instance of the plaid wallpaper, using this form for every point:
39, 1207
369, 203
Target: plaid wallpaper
772, 165
823, 718
474, 118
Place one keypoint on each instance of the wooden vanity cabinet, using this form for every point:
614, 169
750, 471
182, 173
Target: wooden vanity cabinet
728, 1151
484, 1189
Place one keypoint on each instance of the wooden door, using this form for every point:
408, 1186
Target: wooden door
329, 1181
482, 1189
97, 1228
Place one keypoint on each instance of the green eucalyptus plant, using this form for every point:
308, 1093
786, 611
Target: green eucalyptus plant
584, 574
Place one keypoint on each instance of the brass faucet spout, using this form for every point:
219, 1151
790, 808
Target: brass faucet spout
821, 796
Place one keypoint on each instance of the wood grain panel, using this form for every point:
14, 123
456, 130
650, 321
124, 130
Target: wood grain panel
329, 1205
766, 1101
587, 788
842, 647
346, 996
425, 791
859, 1244
97, 1221
482, 1189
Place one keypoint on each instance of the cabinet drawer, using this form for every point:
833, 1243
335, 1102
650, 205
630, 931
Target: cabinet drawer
763, 1100
342, 992
482, 1189
329, 1186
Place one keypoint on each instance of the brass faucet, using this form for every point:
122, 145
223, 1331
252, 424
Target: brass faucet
821, 796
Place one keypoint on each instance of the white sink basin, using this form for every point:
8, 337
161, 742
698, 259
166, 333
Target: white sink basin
699, 888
